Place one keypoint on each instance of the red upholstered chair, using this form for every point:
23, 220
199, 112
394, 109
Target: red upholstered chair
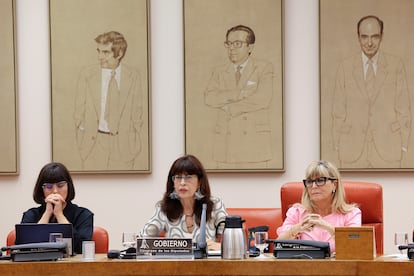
100, 236
253, 217
367, 195
11, 237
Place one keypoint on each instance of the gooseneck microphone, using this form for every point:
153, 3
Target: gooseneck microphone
410, 250
409, 246
200, 252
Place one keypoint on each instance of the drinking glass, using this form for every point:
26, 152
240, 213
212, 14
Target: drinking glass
400, 238
129, 239
260, 239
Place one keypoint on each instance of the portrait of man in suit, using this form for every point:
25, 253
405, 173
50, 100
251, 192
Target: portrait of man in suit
9, 159
371, 110
241, 91
108, 108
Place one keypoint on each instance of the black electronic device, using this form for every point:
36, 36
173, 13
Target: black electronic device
39, 233
410, 250
301, 249
114, 254
42, 251
200, 250
130, 253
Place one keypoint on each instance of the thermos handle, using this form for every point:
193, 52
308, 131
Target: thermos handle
218, 235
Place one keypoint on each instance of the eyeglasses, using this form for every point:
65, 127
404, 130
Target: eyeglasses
186, 178
235, 44
320, 181
50, 186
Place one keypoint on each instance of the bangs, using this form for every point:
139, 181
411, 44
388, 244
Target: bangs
54, 176
318, 171
186, 167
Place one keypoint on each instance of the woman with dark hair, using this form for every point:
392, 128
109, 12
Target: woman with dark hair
54, 191
178, 214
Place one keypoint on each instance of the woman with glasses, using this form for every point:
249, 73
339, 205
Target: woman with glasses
178, 214
323, 207
54, 191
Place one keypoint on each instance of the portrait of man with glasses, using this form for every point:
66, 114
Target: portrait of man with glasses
241, 92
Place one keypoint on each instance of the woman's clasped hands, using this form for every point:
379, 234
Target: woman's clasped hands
55, 204
314, 220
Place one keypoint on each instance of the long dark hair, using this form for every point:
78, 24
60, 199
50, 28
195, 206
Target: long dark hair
187, 164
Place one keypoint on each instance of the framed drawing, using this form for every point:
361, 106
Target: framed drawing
100, 85
234, 84
9, 161
366, 92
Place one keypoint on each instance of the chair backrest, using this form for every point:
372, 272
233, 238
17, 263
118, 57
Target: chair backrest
100, 236
253, 217
367, 195
11, 237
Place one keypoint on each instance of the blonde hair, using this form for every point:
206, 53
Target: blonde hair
324, 168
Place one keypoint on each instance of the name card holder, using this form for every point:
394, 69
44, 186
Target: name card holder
164, 248
355, 243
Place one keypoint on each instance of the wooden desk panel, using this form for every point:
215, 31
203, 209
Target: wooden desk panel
386, 268
104, 266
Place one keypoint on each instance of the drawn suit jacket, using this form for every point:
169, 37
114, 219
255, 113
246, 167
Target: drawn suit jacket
242, 132
386, 114
88, 108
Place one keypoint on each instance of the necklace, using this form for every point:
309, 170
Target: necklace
189, 222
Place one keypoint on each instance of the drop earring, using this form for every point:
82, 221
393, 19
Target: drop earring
173, 195
198, 195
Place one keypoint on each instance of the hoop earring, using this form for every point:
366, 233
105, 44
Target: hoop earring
198, 195
173, 195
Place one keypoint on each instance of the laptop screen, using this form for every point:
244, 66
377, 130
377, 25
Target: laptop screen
33, 233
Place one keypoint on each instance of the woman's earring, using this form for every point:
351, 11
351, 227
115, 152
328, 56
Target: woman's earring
174, 195
198, 195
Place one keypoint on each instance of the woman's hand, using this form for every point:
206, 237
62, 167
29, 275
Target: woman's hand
57, 203
313, 220
212, 245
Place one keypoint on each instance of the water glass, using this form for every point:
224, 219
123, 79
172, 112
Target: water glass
400, 238
88, 250
129, 239
260, 239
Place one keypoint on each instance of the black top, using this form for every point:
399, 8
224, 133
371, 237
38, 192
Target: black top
81, 219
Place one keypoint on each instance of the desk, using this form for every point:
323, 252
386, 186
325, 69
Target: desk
271, 266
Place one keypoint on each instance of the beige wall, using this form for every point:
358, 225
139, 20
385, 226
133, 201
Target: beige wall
125, 202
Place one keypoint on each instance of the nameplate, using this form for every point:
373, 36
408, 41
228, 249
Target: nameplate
164, 248
355, 243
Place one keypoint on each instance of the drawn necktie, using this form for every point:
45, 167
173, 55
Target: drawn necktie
112, 105
370, 78
238, 74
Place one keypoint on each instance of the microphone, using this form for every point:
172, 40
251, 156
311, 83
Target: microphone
200, 252
408, 246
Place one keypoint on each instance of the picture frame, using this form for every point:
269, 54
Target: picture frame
88, 41
9, 144
366, 118
240, 130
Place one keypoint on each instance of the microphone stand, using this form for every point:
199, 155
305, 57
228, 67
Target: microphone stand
200, 252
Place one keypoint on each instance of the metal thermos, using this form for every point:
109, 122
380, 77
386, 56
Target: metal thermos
233, 243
